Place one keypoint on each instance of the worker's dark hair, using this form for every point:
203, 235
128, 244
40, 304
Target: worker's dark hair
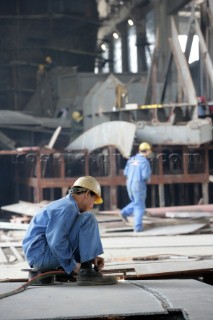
79, 190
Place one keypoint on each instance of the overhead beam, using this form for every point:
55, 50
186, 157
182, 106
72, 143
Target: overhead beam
109, 25
48, 16
174, 6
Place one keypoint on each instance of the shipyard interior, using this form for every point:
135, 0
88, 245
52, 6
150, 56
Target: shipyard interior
82, 85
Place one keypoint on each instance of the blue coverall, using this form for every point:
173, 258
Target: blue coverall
138, 172
59, 236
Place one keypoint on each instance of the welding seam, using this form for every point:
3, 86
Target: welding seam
163, 301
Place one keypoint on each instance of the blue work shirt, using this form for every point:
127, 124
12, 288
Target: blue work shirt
49, 230
137, 169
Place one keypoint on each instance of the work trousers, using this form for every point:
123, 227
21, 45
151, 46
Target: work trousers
137, 206
84, 239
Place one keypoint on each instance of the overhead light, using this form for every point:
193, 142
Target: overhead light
103, 46
115, 35
130, 22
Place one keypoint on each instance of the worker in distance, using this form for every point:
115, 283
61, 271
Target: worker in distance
138, 173
65, 234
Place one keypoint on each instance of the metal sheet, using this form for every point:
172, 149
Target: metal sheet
192, 296
117, 133
128, 298
71, 302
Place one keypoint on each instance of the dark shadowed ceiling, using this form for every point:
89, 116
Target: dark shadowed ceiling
65, 30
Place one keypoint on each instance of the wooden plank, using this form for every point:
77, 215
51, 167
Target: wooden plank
166, 268
8, 244
13, 226
16, 253
3, 257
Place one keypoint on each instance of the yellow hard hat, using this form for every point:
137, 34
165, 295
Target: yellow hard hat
76, 115
91, 184
48, 59
41, 67
145, 146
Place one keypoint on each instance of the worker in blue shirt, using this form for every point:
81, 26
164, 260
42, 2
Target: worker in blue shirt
64, 234
138, 173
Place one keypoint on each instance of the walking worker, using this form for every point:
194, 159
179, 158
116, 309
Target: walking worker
138, 173
64, 234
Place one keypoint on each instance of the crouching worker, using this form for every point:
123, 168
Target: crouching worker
65, 235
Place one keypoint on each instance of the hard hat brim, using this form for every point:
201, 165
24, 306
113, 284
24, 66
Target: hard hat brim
98, 200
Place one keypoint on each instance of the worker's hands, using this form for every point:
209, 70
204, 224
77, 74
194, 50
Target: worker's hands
77, 268
99, 262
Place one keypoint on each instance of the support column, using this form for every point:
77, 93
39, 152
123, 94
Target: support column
196, 193
205, 186
112, 173
141, 45
38, 191
153, 196
163, 22
123, 30
161, 193
205, 193
111, 55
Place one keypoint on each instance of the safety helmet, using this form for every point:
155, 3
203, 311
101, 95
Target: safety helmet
145, 146
91, 184
41, 67
48, 59
76, 115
